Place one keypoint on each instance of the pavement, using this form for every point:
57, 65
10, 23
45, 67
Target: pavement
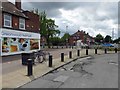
18, 77
99, 71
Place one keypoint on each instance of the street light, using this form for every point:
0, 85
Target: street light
66, 42
66, 36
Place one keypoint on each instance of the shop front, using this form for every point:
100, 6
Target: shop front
16, 42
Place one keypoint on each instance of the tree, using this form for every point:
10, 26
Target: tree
85, 39
47, 27
55, 41
116, 40
65, 37
99, 38
108, 39
43, 26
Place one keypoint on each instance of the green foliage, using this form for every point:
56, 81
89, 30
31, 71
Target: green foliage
65, 37
48, 27
55, 41
108, 39
116, 40
111, 49
43, 27
99, 38
85, 39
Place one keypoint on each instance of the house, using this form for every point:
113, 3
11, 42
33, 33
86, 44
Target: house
81, 36
19, 29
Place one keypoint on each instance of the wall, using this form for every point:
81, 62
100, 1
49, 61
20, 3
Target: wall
32, 24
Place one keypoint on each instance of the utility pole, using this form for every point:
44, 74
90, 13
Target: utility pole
66, 33
113, 34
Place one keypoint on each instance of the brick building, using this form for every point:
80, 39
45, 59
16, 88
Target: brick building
19, 29
80, 35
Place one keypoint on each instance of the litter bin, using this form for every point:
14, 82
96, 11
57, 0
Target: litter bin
26, 56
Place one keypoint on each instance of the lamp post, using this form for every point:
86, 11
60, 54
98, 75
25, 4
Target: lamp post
76, 41
66, 34
66, 42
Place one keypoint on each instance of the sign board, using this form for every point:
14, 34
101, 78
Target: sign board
15, 42
19, 34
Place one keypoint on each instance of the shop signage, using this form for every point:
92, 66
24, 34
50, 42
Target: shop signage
19, 34
15, 42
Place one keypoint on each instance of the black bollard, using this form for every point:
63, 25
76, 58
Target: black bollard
62, 57
70, 54
30, 65
115, 50
50, 60
95, 51
78, 52
86, 51
105, 50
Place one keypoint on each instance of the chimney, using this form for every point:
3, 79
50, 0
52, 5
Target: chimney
18, 4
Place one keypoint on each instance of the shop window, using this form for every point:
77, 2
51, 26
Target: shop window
7, 20
21, 23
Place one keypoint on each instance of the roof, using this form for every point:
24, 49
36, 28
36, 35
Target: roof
30, 12
9, 7
81, 32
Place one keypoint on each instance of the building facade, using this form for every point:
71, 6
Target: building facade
84, 37
19, 29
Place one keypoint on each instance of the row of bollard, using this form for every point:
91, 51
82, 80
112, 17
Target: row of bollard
114, 49
30, 61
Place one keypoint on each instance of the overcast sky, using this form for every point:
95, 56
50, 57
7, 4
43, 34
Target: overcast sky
92, 17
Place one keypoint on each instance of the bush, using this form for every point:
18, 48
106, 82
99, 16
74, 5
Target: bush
111, 49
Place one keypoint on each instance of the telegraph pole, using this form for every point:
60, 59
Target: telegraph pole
66, 33
113, 33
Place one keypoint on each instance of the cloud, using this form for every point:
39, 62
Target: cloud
92, 17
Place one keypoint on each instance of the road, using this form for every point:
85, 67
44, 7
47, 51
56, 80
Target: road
99, 71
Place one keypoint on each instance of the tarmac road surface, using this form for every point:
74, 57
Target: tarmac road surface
98, 71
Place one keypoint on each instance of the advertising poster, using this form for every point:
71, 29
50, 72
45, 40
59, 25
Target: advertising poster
34, 44
10, 45
18, 42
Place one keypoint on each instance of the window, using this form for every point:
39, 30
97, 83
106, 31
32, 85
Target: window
7, 20
21, 23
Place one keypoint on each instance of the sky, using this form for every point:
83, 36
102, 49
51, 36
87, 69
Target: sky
92, 17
